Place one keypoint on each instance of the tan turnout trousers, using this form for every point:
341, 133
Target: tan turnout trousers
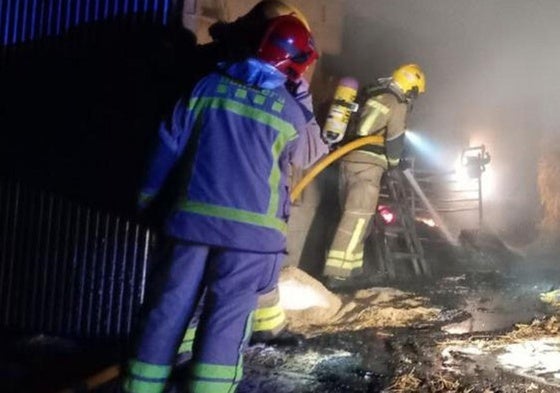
359, 183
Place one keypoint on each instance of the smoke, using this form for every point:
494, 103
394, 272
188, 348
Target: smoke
491, 70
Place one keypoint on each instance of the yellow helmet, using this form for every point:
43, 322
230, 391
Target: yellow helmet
409, 78
273, 8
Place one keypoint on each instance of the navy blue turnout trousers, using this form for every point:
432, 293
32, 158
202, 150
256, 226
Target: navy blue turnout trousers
233, 280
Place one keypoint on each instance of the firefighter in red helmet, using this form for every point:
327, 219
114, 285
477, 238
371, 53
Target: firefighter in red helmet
233, 41
231, 144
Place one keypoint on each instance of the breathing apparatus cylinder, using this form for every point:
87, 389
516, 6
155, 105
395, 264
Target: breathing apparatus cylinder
341, 109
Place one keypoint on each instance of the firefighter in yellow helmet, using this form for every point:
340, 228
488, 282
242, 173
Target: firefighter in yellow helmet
383, 111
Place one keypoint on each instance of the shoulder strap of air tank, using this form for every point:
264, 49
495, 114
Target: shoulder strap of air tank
376, 90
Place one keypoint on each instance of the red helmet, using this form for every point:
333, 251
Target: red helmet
288, 46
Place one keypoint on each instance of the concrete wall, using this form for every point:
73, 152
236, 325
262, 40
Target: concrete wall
324, 16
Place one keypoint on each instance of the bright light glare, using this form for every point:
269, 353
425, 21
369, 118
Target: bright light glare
423, 145
419, 142
465, 182
461, 174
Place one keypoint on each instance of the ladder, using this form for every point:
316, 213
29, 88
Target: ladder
399, 240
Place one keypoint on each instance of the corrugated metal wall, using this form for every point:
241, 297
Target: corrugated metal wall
27, 20
67, 269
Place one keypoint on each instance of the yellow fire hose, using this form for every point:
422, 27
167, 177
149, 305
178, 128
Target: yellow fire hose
113, 372
325, 162
93, 382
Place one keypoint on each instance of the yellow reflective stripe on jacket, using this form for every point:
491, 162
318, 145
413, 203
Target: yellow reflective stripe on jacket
286, 133
275, 175
232, 214
275, 122
377, 110
269, 318
384, 109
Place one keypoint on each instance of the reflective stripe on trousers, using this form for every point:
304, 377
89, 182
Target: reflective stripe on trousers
233, 280
269, 315
269, 318
359, 182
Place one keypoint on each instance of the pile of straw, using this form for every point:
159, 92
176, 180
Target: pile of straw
549, 189
436, 383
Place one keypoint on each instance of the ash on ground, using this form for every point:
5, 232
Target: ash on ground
480, 325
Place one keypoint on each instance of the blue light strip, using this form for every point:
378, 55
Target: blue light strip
50, 18
68, 12
23, 37
96, 12
16, 20
77, 14
106, 10
25, 20
87, 12
165, 11
2, 19
59, 17
33, 18
40, 32
7, 24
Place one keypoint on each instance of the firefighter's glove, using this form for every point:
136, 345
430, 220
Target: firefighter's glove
404, 164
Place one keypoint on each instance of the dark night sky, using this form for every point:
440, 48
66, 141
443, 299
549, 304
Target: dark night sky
493, 70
